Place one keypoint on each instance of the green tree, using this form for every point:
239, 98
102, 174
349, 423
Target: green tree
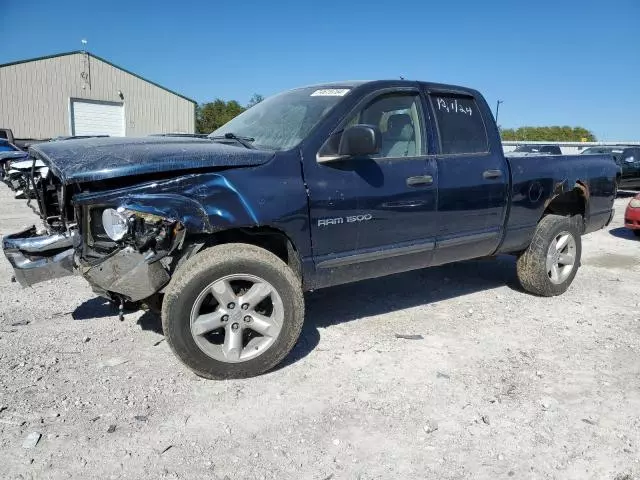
212, 115
255, 99
548, 134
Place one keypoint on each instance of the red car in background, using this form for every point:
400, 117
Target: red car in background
632, 215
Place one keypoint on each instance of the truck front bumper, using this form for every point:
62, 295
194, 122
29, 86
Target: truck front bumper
37, 258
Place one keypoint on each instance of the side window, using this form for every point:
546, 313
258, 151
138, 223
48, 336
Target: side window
460, 124
399, 118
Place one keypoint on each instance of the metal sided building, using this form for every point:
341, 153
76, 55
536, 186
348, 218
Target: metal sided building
78, 93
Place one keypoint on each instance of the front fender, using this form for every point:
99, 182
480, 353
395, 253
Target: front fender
187, 211
205, 203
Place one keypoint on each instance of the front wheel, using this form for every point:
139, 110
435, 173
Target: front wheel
551, 262
233, 311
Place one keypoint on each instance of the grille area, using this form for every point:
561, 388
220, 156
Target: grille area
51, 199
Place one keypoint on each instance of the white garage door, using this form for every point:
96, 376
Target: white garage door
97, 118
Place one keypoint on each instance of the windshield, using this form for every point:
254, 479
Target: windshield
282, 121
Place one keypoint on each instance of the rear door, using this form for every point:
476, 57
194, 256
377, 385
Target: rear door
473, 178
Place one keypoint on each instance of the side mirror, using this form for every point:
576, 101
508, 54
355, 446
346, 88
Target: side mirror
360, 140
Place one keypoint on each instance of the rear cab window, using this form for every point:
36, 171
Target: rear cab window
459, 122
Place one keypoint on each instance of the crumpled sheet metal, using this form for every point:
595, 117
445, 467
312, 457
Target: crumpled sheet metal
92, 159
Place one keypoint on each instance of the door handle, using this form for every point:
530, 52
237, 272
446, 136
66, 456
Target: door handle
491, 174
420, 181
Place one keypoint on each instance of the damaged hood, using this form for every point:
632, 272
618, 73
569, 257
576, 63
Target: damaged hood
86, 160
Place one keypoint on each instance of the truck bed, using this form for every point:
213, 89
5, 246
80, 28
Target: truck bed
536, 179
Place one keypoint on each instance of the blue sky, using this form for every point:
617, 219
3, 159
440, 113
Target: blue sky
562, 62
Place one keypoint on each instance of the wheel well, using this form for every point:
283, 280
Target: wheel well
569, 203
271, 239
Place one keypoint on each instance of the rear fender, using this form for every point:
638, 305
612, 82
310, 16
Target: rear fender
566, 187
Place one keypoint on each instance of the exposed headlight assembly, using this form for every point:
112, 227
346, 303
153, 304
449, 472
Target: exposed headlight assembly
115, 223
635, 203
144, 231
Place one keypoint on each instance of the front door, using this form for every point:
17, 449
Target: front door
380, 208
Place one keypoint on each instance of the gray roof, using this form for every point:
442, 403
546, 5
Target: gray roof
102, 60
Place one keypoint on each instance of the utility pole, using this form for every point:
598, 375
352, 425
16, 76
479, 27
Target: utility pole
86, 75
498, 110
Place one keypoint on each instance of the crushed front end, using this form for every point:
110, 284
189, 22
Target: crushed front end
124, 254
36, 258
44, 252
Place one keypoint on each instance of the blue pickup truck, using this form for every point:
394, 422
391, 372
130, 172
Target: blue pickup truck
314, 187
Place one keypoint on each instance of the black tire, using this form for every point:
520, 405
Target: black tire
210, 265
532, 266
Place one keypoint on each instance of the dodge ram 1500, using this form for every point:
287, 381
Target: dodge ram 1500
313, 187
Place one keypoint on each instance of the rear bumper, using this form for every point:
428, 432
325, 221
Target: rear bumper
37, 258
632, 223
632, 218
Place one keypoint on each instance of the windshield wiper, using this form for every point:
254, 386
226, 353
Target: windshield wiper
244, 141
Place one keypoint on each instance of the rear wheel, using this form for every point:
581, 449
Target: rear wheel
233, 311
551, 262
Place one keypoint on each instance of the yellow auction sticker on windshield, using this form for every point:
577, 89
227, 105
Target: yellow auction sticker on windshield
330, 92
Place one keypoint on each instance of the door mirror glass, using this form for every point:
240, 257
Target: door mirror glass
360, 140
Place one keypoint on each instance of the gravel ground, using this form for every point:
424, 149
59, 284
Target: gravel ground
499, 384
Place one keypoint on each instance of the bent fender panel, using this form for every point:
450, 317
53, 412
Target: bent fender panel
269, 195
203, 203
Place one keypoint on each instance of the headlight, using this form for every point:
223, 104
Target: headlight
115, 223
635, 203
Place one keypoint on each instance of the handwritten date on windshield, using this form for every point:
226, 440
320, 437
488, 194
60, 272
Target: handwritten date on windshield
453, 106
